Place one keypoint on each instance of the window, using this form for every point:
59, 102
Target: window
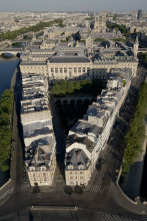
60, 70
70, 74
75, 70
56, 70
70, 172
81, 177
71, 177
83, 69
65, 70
79, 70
44, 174
44, 177
81, 166
81, 172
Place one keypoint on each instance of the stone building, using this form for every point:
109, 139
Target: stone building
74, 62
89, 136
39, 139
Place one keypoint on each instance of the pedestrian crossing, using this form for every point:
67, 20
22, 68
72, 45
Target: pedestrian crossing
109, 217
99, 188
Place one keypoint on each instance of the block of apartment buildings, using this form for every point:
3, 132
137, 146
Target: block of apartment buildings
88, 137
39, 139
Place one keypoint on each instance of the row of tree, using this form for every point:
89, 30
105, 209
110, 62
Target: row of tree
6, 110
100, 39
35, 28
136, 133
84, 86
122, 28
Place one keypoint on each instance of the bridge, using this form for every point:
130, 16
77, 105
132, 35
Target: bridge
13, 51
143, 50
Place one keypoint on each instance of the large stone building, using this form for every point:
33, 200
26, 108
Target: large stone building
89, 136
39, 139
65, 62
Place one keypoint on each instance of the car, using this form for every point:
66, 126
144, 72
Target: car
98, 166
12, 140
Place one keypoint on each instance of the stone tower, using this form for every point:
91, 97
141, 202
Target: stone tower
135, 47
89, 42
99, 22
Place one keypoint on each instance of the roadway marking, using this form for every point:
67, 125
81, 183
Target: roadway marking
99, 189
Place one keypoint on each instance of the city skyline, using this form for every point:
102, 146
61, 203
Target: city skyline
69, 5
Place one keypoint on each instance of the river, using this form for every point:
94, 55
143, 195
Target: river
7, 68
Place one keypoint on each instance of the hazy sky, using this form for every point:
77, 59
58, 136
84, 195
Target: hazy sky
72, 5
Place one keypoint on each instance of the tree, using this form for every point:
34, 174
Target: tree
77, 86
7, 100
68, 190
78, 189
137, 130
63, 86
70, 87
116, 29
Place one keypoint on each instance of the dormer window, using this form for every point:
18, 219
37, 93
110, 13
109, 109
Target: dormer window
70, 167
81, 167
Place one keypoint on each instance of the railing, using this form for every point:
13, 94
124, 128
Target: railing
6, 189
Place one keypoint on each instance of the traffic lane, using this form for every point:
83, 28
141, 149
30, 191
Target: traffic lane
17, 201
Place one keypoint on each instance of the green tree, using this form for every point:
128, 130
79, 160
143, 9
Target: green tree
77, 86
70, 87
7, 100
136, 132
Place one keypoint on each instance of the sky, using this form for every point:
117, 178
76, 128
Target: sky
72, 5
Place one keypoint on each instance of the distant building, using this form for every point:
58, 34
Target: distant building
99, 22
139, 15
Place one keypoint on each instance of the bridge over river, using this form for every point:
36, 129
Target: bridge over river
13, 51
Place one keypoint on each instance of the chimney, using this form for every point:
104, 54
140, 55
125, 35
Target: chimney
78, 155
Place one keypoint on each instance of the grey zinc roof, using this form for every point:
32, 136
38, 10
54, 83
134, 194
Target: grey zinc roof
84, 140
76, 158
69, 60
36, 155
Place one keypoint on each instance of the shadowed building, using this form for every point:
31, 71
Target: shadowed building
139, 15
